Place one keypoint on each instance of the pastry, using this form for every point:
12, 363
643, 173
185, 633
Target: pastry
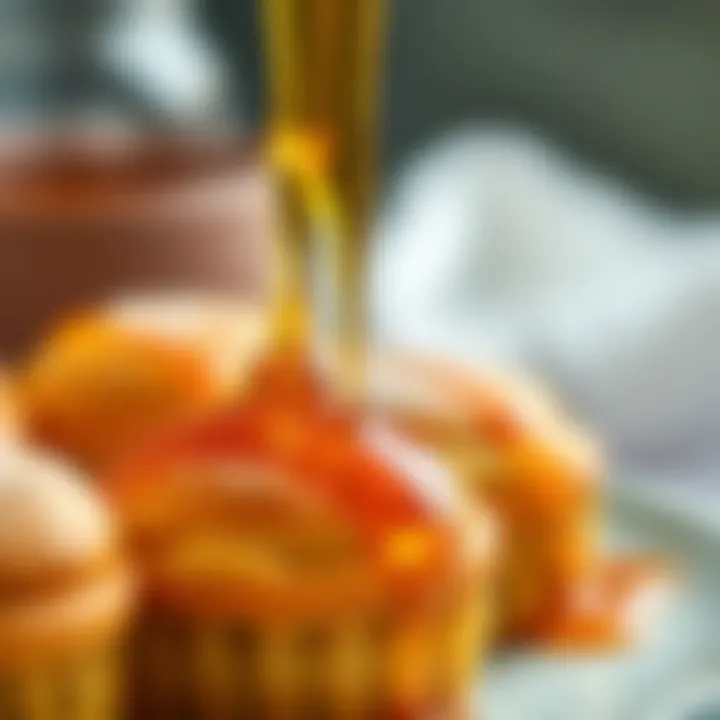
301, 563
65, 594
106, 380
518, 452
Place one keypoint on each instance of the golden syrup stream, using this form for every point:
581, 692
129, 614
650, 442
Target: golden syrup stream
324, 59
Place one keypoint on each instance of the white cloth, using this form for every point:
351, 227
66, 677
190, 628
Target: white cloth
497, 247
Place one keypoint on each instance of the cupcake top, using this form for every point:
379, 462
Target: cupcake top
107, 379
50, 522
277, 509
231, 334
62, 581
512, 427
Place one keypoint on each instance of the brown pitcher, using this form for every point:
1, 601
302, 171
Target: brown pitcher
82, 220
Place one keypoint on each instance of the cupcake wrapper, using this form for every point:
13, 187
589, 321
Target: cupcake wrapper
417, 666
83, 688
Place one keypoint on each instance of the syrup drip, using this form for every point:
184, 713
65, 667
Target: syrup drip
323, 60
610, 610
321, 451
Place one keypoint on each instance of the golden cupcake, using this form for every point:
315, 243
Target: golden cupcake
296, 564
108, 379
64, 594
517, 451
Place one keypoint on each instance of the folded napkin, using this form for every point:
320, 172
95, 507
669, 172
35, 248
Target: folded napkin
496, 247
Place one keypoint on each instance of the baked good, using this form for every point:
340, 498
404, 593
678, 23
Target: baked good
518, 452
300, 562
108, 379
65, 593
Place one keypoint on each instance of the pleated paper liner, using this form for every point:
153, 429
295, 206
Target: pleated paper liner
413, 666
85, 687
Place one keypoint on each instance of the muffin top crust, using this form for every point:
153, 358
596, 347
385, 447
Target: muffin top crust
106, 379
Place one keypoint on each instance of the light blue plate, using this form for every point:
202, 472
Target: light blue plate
673, 675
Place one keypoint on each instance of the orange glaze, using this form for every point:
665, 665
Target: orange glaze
288, 378
411, 539
609, 610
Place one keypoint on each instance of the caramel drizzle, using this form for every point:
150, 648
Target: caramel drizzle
324, 58
322, 453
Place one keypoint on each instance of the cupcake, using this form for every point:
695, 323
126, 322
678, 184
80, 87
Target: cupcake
517, 451
109, 379
302, 564
64, 594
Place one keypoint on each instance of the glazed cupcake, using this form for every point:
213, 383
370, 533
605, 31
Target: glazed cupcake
516, 450
64, 594
298, 565
108, 379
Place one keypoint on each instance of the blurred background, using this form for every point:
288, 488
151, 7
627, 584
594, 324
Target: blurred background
550, 186
629, 87
549, 195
